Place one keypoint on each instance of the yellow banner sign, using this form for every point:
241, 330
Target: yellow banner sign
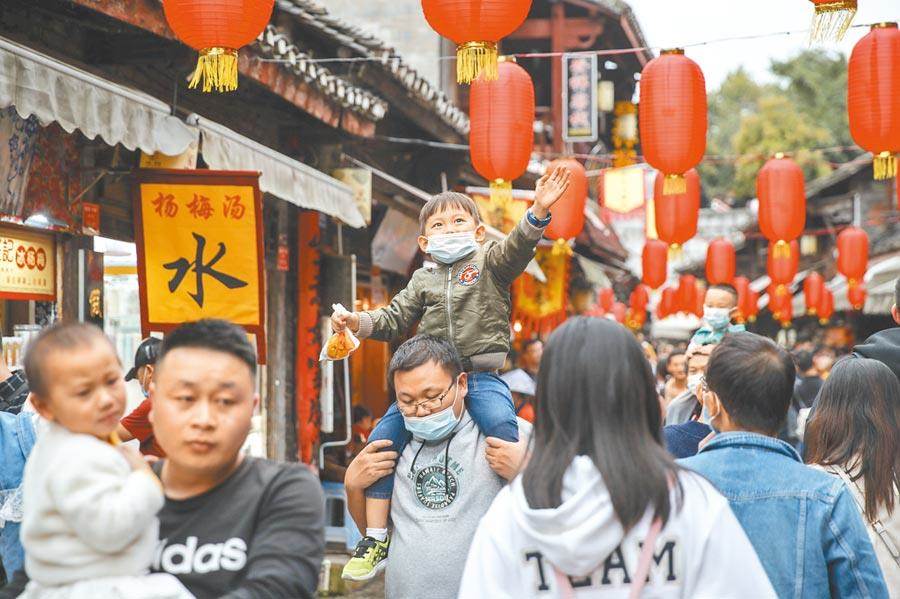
27, 265
200, 250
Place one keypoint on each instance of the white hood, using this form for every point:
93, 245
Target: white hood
578, 535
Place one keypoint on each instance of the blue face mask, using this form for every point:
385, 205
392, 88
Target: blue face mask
717, 318
434, 427
449, 248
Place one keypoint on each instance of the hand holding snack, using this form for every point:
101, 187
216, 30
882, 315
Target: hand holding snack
343, 342
342, 320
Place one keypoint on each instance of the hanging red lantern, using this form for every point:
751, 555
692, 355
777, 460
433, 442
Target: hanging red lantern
501, 130
618, 312
720, 262
568, 212
779, 296
853, 254
672, 116
667, 303
873, 96
751, 309
635, 319
654, 260
856, 295
475, 26
782, 201
813, 288
700, 299
606, 299
639, 299
826, 306
786, 314
686, 295
832, 19
676, 214
782, 266
216, 29
742, 286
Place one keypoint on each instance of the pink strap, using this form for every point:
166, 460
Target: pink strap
638, 580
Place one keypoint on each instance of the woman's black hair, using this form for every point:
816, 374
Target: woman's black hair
596, 397
856, 425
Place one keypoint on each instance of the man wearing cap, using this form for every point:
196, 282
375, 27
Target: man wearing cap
522, 387
137, 424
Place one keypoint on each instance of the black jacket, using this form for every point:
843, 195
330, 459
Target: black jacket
883, 346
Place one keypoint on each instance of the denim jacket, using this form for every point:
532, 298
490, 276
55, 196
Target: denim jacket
802, 522
17, 437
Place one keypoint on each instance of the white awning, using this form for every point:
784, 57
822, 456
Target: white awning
55, 92
284, 177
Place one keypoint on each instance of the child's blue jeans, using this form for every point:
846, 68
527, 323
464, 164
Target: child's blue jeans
490, 404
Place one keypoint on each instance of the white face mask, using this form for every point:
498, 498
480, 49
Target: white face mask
449, 248
693, 382
717, 318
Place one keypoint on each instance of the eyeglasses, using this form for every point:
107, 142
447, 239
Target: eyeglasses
430, 405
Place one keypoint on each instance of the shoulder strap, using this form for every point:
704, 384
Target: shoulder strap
876, 524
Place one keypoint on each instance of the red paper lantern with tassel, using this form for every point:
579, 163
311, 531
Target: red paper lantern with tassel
618, 312
873, 96
672, 117
654, 261
778, 297
742, 286
720, 262
782, 201
606, 299
501, 133
568, 212
782, 266
686, 296
853, 254
786, 314
639, 298
216, 29
832, 19
751, 309
856, 295
676, 215
667, 302
475, 26
826, 306
700, 299
813, 289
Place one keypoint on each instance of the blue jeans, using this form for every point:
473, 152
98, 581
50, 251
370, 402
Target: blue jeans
490, 404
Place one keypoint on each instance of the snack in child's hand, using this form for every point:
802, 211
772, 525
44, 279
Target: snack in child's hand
340, 344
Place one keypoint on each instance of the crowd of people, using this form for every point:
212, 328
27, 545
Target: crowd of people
603, 466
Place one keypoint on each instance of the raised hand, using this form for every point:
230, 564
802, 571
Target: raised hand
549, 189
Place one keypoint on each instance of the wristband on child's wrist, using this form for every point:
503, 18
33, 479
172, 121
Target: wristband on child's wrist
537, 222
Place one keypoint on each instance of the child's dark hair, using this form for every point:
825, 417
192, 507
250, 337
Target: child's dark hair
726, 288
444, 200
60, 336
213, 334
360, 413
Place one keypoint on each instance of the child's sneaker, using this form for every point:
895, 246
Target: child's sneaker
369, 558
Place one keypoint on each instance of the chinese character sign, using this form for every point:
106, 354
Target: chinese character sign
579, 97
27, 265
200, 253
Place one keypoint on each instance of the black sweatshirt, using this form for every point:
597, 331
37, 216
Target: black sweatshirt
259, 534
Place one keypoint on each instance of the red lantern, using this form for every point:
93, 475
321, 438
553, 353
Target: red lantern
568, 212
856, 295
786, 314
700, 300
813, 288
672, 116
742, 286
635, 319
720, 262
832, 19
752, 308
826, 306
676, 215
618, 312
666, 305
779, 297
606, 299
686, 295
853, 254
475, 26
873, 96
216, 29
639, 299
501, 133
782, 201
782, 266
654, 259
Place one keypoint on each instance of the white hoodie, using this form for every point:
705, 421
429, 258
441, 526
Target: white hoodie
521, 552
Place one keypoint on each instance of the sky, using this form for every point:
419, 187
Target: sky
671, 23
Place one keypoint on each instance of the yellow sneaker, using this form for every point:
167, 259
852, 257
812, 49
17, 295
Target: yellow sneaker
369, 558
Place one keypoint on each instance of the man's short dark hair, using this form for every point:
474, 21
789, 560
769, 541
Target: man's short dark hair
804, 360
361, 412
754, 380
443, 201
726, 288
212, 334
60, 336
423, 349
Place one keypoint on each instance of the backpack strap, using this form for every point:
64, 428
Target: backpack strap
876, 524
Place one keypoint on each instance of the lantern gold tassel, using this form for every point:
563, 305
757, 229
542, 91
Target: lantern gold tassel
885, 166
676, 251
782, 249
217, 68
674, 184
561, 247
832, 20
501, 192
474, 59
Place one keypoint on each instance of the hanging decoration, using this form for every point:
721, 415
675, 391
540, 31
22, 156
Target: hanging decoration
666, 306
831, 19
639, 298
672, 117
501, 134
606, 298
751, 309
568, 212
624, 134
619, 311
541, 307
686, 296
873, 96
786, 314
654, 259
699, 299
826, 306
216, 29
856, 295
853, 254
475, 26
676, 214
813, 289
720, 262
779, 297
742, 287
782, 266
782, 202
307, 356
